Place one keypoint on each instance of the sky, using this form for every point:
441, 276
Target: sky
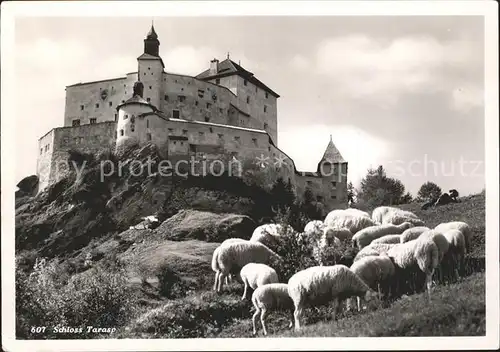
405, 92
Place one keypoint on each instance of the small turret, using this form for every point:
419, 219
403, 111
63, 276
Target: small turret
151, 43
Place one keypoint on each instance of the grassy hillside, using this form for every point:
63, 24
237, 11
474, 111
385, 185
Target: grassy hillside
165, 281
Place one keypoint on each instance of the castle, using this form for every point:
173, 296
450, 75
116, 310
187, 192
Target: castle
224, 111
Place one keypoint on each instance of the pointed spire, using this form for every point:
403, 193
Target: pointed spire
228, 55
332, 154
152, 33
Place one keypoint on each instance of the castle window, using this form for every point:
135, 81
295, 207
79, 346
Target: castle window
269, 148
182, 90
148, 136
170, 130
116, 116
265, 108
123, 101
149, 68
125, 117
209, 105
175, 142
147, 123
81, 107
144, 73
97, 106
93, 120
256, 89
121, 132
237, 138
201, 93
245, 82
207, 119
265, 126
196, 103
175, 114
319, 198
175, 81
150, 87
248, 100
184, 132
110, 103
182, 98
267, 95
220, 110
309, 183
132, 127
166, 97
334, 185
211, 130
148, 99
76, 123
201, 133
334, 196
217, 81
41, 150
254, 140
220, 135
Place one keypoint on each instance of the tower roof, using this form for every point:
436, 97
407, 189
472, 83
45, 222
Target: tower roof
332, 154
152, 33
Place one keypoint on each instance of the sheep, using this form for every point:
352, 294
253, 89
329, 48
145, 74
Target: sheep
456, 252
343, 234
364, 237
374, 249
460, 226
422, 253
440, 241
349, 220
269, 234
229, 277
270, 297
413, 233
314, 226
395, 216
388, 239
355, 211
255, 275
230, 257
318, 285
374, 271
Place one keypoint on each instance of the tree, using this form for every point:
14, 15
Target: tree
429, 191
351, 193
407, 198
377, 189
282, 194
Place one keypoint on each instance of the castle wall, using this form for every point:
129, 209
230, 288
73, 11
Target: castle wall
88, 96
130, 129
151, 75
45, 151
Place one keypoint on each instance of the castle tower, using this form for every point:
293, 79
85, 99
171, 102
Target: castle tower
150, 69
333, 168
129, 127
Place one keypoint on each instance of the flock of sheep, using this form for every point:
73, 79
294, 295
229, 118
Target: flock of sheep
391, 243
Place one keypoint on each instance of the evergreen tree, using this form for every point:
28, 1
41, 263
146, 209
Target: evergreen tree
377, 189
429, 191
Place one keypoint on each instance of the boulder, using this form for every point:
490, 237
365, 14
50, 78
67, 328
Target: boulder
28, 185
206, 226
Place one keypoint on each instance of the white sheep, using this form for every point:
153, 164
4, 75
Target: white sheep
364, 237
439, 239
420, 253
374, 271
314, 226
413, 233
374, 249
457, 250
319, 285
269, 234
347, 219
231, 257
458, 225
229, 277
270, 297
343, 234
357, 212
395, 216
388, 239
255, 275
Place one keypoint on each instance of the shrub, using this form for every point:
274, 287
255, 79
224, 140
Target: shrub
170, 282
95, 298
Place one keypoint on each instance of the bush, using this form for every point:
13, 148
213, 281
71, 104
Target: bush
95, 298
170, 282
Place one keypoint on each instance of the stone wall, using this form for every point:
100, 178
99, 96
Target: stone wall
45, 151
86, 101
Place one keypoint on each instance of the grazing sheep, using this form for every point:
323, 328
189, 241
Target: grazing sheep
412, 233
229, 277
314, 226
270, 297
456, 251
231, 257
388, 239
269, 234
375, 272
318, 285
420, 253
395, 216
347, 219
357, 212
460, 226
343, 234
440, 241
364, 237
255, 275
374, 249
